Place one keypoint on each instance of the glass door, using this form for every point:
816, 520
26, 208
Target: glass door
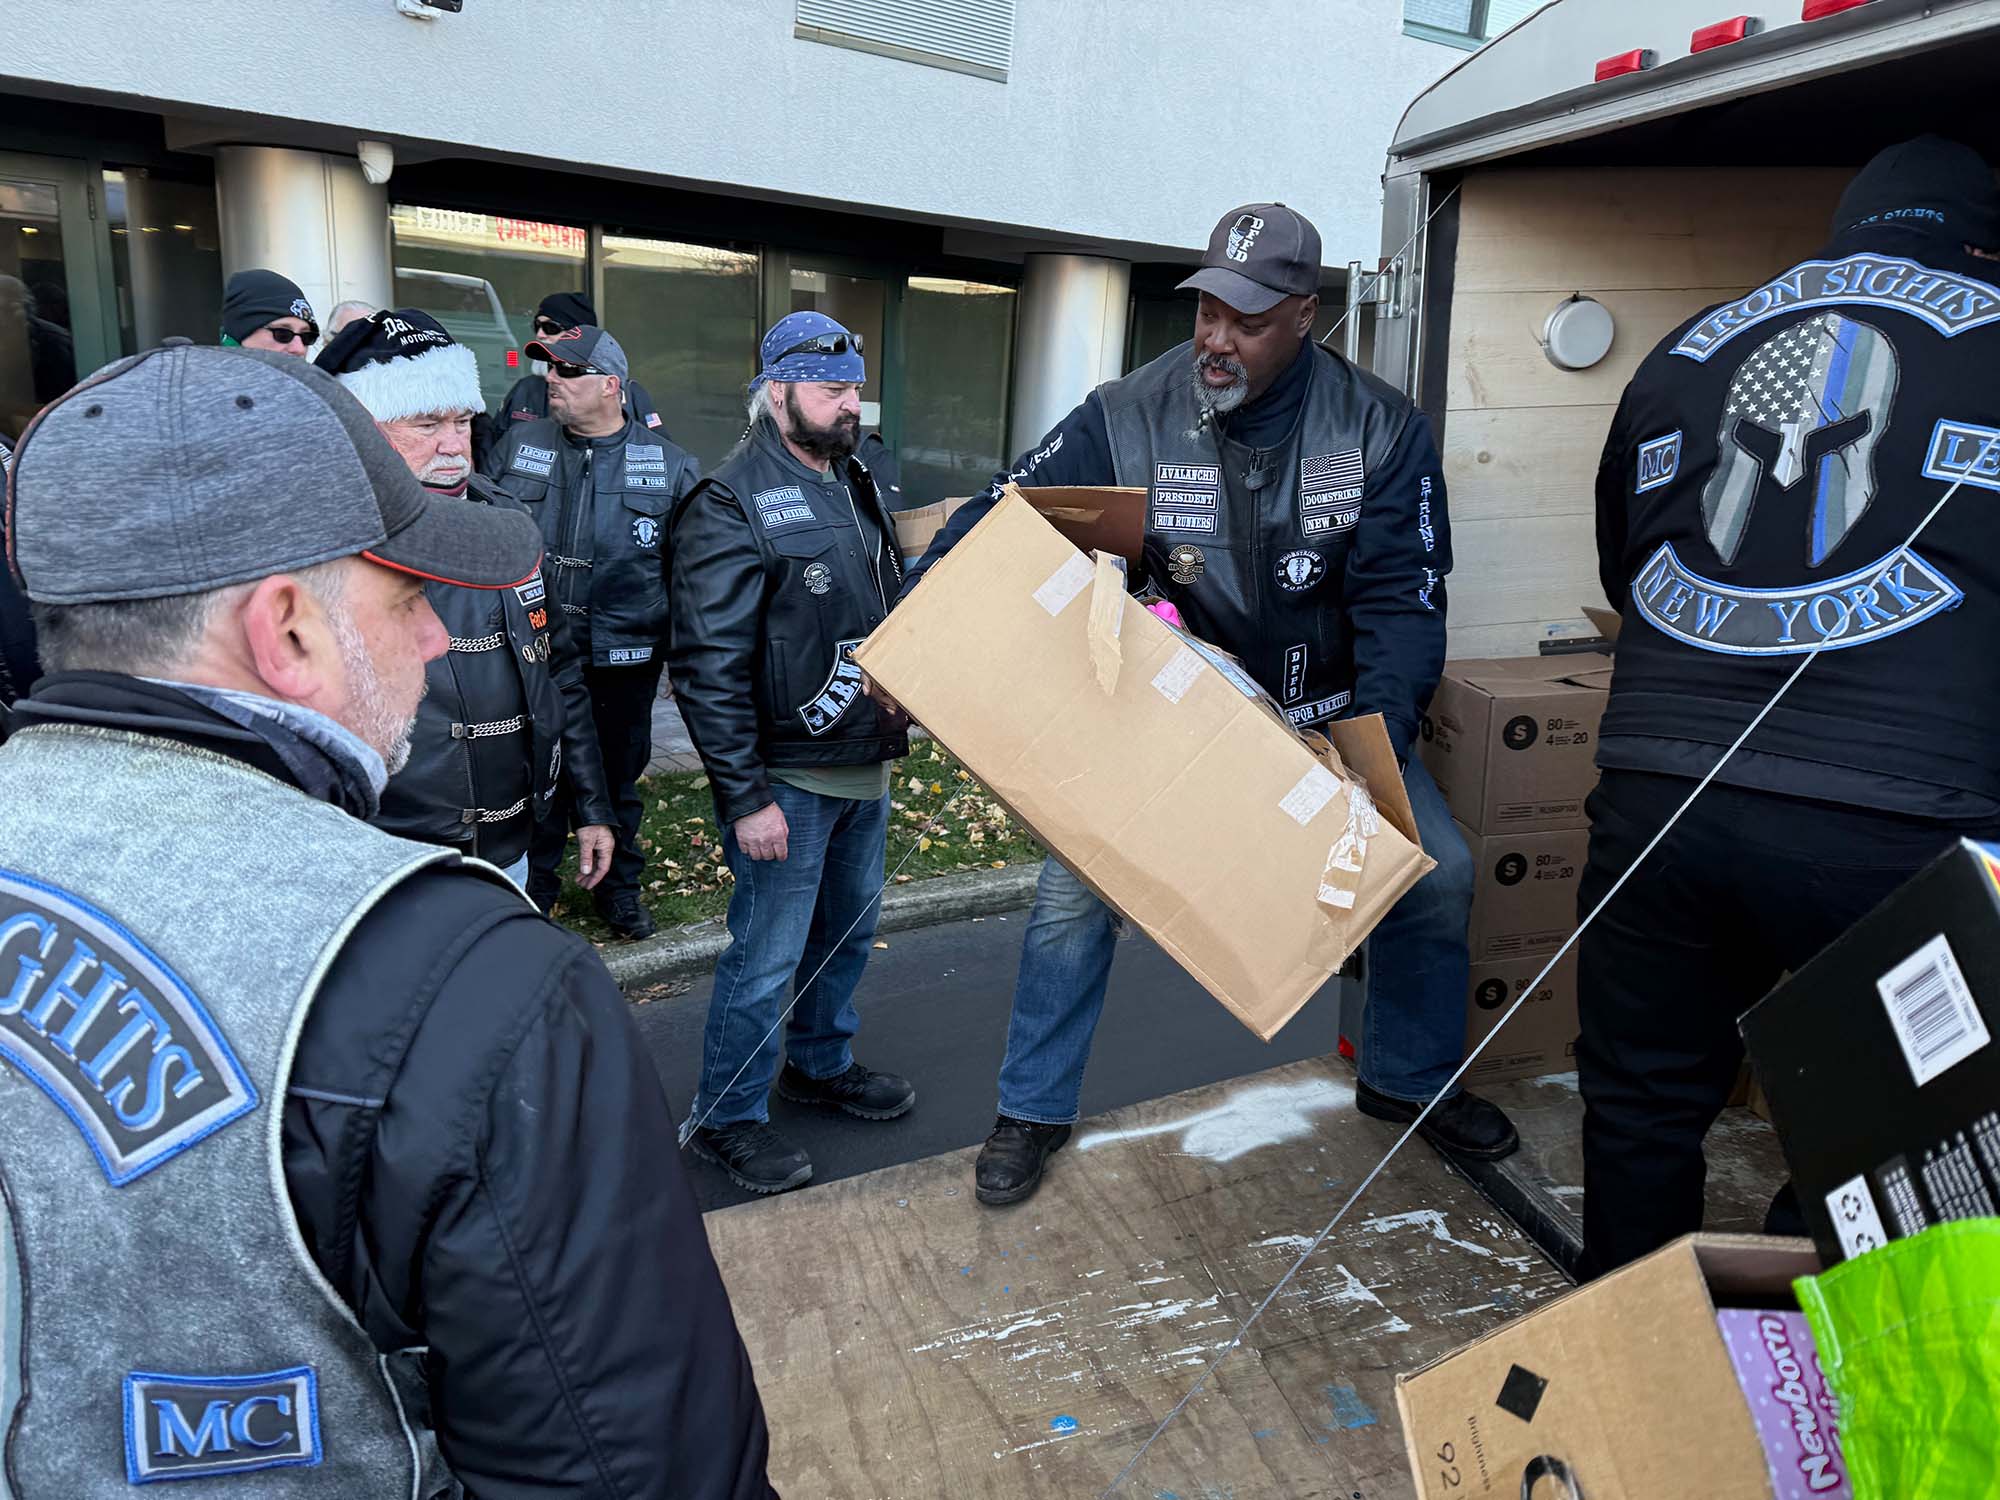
861, 303
50, 303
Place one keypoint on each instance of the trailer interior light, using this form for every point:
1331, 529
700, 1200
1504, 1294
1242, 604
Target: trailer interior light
1635, 61
1724, 33
1819, 10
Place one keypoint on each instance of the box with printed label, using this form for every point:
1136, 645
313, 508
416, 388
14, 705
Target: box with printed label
1512, 743
1523, 891
1541, 1038
1166, 780
1626, 1389
1878, 1064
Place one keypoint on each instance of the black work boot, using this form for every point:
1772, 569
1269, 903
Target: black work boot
870, 1095
1464, 1125
755, 1156
1010, 1164
626, 915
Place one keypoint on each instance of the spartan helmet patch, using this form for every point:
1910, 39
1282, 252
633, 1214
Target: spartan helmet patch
1813, 400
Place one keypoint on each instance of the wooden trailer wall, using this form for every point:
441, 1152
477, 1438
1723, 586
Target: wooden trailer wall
1522, 438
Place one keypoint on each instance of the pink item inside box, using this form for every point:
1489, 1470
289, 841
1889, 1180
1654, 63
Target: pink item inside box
1777, 1366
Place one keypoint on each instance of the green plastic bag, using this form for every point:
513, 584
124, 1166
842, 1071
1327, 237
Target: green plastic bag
1909, 1337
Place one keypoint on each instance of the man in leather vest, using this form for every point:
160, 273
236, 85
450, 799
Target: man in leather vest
601, 486
784, 560
1297, 519
505, 721
379, 1143
1763, 475
527, 399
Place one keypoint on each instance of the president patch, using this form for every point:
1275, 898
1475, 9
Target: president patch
1888, 596
193, 1426
1961, 453
110, 1033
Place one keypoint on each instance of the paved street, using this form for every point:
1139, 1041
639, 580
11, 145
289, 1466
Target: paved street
934, 1008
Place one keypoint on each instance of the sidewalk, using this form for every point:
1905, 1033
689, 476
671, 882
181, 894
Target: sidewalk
672, 749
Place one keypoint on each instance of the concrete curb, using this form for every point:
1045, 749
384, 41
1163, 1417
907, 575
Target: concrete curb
691, 952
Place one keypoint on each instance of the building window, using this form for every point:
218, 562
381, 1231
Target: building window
166, 257
958, 353
1464, 23
686, 317
481, 276
966, 36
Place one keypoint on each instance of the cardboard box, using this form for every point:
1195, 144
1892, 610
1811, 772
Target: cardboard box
1523, 891
1257, 860
1542, 1036
1625, 1388
1107, 519
1879, 1065
1513, 742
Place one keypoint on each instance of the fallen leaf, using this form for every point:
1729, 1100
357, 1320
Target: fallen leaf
923, 846
881, 945
999, 864
904, 879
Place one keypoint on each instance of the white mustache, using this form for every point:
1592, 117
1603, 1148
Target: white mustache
446, 473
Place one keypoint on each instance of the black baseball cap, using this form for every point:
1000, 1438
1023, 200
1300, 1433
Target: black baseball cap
584, 345
185, 469
1259, 255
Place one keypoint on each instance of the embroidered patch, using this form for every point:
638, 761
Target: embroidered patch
783, 506
191, 1426
1426, 531
1181, 520
1186, 497
1889, 595
652, 419
532, 461
645, 466
646, 532
530, 592
817, 577
1659, 462
1324, 708
1300, 569
1962, 452
1950, 304
1331, 480
102, 1026
843, 686
1185, 564
621, 656
1295, 673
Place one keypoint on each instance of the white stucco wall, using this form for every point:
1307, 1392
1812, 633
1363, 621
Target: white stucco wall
1134, 121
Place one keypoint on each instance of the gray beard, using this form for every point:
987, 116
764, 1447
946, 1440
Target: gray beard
1216, 403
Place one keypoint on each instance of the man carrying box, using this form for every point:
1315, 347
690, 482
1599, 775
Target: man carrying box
1297, 519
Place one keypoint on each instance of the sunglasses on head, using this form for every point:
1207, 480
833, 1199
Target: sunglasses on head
826, 343
285, 335
572, 372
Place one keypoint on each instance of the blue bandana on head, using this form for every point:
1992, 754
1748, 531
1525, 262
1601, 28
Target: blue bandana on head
789, 332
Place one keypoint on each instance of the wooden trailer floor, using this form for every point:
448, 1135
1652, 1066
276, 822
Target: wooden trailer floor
911, 1344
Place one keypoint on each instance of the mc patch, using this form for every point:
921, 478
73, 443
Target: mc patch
102, 1026
532, 461
193, 1426
782, 507
1300, 569
843, 686
1659, 462
646, 533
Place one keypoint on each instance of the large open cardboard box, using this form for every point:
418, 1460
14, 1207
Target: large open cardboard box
1151, 766
1626, 1384
1108, 519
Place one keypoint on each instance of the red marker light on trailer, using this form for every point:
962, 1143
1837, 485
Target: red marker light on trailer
1819, 10
1635, 61
513, 359
1724, 33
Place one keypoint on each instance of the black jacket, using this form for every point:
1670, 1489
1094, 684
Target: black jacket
18, 665
1334, 599
1764, 469
482, 1163
472, 782
603, 505
527, 400
778, 574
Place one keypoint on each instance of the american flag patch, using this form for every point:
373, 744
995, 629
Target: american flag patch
1330, 479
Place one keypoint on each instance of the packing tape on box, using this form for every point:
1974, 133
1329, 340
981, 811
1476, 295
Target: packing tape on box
1063, 585
1107, 620
1341, 882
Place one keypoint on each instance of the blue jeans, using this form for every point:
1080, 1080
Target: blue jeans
786, 918
1418, 974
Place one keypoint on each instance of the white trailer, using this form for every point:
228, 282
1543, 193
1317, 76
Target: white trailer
1654, 156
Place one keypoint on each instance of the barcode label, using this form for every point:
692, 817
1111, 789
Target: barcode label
1932, 1010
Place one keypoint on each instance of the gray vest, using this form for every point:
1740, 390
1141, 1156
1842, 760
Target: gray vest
1252, 545
166, 917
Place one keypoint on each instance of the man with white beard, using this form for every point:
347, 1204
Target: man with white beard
506, 715
381, 1145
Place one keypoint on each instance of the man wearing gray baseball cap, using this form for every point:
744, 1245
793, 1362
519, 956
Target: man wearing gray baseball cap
337, 1129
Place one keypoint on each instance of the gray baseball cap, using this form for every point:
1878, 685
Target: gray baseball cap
185, 469
1259, 255
588, 346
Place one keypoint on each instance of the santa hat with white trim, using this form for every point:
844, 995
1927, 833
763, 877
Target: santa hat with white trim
401, 363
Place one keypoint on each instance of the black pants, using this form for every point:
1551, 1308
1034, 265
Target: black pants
621, 704
1748, 886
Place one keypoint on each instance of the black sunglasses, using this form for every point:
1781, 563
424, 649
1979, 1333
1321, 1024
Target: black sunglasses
826, 343
547, 326
571, 372
286, 335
